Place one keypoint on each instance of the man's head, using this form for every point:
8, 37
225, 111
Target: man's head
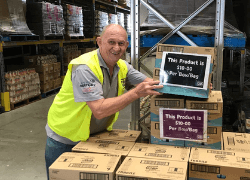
112, 43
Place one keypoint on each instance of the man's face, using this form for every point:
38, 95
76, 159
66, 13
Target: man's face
113, 44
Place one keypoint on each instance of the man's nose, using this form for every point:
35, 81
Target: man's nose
116, 47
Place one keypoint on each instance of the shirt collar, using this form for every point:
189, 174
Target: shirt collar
101, 61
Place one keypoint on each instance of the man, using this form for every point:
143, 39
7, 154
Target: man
92, 94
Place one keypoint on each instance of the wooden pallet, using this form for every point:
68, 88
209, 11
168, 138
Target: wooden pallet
25, 102
51, 92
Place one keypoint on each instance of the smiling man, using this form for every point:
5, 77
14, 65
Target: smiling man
92, 94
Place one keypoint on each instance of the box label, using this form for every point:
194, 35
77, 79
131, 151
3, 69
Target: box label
184, 69
183, 124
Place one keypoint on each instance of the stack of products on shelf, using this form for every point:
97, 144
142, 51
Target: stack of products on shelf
127, 23
101, 20
48, 68
70, 52
22, 84
185, 92
45, 19
12, 18
31, 61
124, 3
113, 19
120, 17
73, 16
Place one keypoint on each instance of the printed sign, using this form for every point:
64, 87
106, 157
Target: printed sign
185, 69
183, 124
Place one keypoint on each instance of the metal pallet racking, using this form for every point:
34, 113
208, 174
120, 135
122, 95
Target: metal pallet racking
218, 41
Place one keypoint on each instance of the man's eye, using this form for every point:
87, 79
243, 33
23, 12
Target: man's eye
121, 43
111, 42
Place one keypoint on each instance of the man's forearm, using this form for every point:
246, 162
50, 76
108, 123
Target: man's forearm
109, 106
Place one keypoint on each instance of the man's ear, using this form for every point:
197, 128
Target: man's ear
127, 43
99, 41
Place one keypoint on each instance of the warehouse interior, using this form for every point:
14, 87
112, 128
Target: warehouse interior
38, 39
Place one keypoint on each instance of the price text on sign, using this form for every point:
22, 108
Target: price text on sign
183, 124
190, 70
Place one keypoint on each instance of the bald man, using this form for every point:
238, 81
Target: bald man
92, 94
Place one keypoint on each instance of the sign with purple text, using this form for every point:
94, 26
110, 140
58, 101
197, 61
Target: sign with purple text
183, 124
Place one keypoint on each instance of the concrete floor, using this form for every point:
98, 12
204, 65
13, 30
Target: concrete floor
23, 138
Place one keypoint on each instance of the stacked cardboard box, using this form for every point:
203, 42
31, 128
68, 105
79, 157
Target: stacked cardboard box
70, 52
180, 97
100, 156
150, 161
218, 164
48, 68
163, 101
233, 141
22, 84
214, 106
80, 166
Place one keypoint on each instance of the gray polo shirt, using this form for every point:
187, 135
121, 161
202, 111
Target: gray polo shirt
87, 87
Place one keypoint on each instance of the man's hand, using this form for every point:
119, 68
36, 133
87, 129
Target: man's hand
148, 88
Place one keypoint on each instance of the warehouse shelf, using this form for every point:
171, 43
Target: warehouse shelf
236, 41
116, 7
57, 46
23, 43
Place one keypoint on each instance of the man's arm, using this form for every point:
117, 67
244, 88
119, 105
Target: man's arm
105, 107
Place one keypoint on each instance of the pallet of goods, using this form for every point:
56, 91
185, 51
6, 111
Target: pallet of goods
49, 70
73, 16
45, 19
23, 86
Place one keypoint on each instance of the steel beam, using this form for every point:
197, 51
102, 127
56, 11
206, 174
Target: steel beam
175, 29
219, 43
135, 55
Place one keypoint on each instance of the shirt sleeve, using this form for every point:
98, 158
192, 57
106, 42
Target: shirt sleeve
134, 76
86, 86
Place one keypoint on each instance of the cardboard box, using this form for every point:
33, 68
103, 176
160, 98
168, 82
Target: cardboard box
155, 136
30, 60
236, 141
56, 74
151, 169
165, 101
153, 151
214, 105
118, 135
51, 68
104, 147
42, 69
57, 67
214, 138
206, 164
43, 77
77, 166
45, 87
181, 90
51, 76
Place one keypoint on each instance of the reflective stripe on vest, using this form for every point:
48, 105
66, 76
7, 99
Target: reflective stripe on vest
71, 119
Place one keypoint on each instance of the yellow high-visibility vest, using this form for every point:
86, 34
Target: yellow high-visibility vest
71, 119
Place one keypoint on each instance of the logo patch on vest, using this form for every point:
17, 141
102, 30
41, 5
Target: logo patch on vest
123, 82
88, 87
